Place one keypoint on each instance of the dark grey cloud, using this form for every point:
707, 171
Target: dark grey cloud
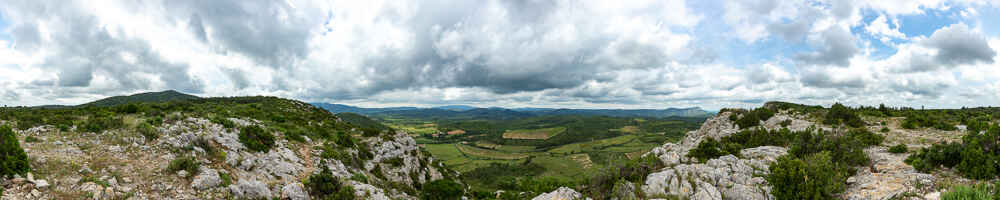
82, 49
270, 32
957, 44
516, 49
837, 46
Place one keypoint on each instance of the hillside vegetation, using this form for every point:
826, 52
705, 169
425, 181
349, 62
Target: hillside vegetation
149, 97
213, 148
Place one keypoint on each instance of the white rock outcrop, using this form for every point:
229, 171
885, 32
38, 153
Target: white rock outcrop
563, 193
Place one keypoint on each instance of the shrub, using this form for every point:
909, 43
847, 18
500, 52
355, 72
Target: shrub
840, 114
816, 177
708, 148
148, 131
395, 162
443, 189
326, 186
188, 164
753, 117
130, 109
13, 160
866, 137
977, 164
884, 130
899, 148
256, 138
31, 139
944, 154
226, 179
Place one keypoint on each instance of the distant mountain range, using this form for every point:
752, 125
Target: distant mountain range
463, 111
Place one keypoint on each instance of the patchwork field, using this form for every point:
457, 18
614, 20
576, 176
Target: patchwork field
533, 134
627, 129
490, 154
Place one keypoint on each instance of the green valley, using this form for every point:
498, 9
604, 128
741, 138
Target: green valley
560, 149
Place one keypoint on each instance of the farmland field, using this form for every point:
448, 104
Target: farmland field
534, 134
564, 148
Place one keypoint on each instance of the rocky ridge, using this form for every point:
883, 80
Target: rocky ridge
124, 165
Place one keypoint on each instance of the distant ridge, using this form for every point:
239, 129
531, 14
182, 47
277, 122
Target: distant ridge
462, 111
148, 97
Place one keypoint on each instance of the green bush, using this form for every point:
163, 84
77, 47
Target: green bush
256, 138
188, 164
443, 189
753, 117
326, 186
944, 154
866, 137
899, 148
148, 131
815, 177
840, 114
977, 164
13, 160
884, 130
708, 148
226, 179
31, 139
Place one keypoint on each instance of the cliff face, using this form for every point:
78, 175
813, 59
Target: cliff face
125, 165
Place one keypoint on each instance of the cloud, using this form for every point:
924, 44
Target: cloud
837, 46
957, 44
650, 53
880, 27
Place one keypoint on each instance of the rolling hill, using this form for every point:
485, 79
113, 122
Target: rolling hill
149, 97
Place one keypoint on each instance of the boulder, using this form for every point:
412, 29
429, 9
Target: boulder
251, 189
294, 191
208, 178
563, 193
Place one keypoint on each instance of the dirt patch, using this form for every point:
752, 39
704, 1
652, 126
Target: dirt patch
456, 132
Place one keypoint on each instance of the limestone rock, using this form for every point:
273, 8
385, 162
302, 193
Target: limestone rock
560, 194
252, 189
208, 178
294, 191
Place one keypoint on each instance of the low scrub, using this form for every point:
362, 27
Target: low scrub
188, 164
816, 176
974, 157
899, 148
256, 138
444, 189
13, 160
326, 186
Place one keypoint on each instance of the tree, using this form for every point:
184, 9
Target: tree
13, 160
326, 186
444, 189
815, 177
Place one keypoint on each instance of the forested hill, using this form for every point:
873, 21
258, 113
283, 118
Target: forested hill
466, 112
149, 97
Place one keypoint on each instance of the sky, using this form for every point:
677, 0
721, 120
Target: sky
524, 53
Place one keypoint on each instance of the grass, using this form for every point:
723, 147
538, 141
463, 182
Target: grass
533, 134
627, 129
594, 145
485, 153
965, 192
